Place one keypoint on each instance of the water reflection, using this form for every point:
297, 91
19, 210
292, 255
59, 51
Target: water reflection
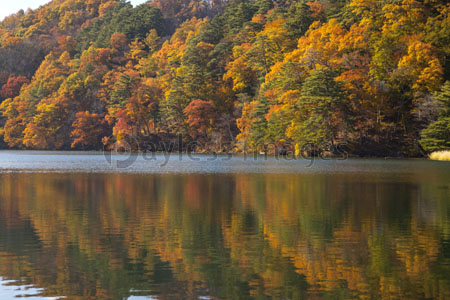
285, 236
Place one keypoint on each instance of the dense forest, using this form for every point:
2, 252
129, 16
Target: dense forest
236, 75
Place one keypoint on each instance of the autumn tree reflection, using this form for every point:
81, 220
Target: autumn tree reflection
109, 236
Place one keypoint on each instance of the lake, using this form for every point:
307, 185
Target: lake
82, 225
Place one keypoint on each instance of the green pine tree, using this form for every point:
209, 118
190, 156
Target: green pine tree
437, 135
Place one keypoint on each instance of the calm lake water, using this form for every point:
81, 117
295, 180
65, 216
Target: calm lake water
77, 226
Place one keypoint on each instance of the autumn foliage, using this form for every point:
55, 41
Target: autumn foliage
88, 130
232, 74
11, 88
200, 116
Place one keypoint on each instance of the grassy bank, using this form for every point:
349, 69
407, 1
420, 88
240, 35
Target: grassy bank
440, 155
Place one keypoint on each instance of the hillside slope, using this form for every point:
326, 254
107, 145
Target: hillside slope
364, 76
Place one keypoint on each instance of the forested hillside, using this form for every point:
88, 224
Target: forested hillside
232, 75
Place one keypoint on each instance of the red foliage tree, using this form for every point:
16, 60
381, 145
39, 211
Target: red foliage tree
119, 41
89, 129
12, 88
200, 117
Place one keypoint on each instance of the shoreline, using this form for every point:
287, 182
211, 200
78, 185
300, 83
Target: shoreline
240, 154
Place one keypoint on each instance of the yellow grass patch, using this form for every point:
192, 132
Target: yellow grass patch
440, 155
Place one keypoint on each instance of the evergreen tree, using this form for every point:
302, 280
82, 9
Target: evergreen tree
320, 109
437, 135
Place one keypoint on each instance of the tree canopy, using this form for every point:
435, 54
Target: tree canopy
230, 75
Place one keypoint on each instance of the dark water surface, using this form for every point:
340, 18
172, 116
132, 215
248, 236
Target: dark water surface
74, 226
